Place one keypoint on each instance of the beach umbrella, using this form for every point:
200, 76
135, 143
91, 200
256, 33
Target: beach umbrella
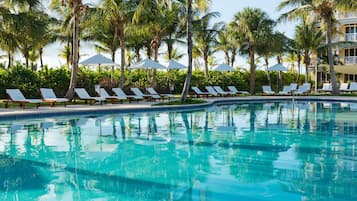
147, 64
98, 59
223, 67
278, 67
175, 65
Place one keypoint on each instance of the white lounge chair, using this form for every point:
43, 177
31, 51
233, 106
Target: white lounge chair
152, 91
48, 95
344, 87
353, 87
286, 90
211, 90
293, 87
16, 96
267, 90
83, 95
199, 93
235, 90
326, 87
139, 93
222, 92
121, 94
303, 89
104, 94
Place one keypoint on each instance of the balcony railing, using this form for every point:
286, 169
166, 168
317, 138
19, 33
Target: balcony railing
351, 37
351, 60
346, 15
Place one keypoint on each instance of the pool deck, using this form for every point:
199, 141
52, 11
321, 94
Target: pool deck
144, 106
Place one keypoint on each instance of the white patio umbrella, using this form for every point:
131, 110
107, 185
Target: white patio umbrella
147, 64
223, 67
278, 67
98, 59
175, 65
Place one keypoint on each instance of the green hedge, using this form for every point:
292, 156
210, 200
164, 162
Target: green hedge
29, 81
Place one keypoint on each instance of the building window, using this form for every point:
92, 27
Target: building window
351, 56
351, 32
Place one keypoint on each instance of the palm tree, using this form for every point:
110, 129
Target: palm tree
202, 5
119, 14
272, 44
63, 29
323, 9
252, 24
77, 9
308, 37
205, 36
224, 44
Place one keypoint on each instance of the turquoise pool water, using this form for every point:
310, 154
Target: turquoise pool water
273, 151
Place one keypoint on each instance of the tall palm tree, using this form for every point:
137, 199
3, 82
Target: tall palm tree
202, 5
252, 24
272, 44
119, 14
77, 9
205, 36
223, 44
308, 37
324, 10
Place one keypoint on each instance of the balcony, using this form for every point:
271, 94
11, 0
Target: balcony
350, 60
351, 37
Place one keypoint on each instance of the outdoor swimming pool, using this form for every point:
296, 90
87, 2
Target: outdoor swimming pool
271, 151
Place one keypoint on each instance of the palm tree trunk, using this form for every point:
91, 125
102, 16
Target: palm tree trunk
122, 54
252, 70
205, 58
267, 66
233, 58
299, 67
9, 56
73, 83
226, 57
26, 55
153, 82
41, 55
307, 63
186, 86
169, 50
335, 90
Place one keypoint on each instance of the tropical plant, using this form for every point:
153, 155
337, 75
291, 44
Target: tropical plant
205, 36
202, 5
323, 10
308, 37
118, 13
77, 9
252, 24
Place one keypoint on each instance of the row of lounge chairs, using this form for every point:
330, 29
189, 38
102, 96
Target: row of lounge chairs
292, 89
49, 96
344, 87
215, 91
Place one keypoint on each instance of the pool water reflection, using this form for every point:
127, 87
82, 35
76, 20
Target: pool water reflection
272, 151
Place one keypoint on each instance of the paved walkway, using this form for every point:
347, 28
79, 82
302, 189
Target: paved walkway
14, 113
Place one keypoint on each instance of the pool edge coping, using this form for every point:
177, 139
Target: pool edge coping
156, 108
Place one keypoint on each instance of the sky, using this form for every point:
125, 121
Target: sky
227, 9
